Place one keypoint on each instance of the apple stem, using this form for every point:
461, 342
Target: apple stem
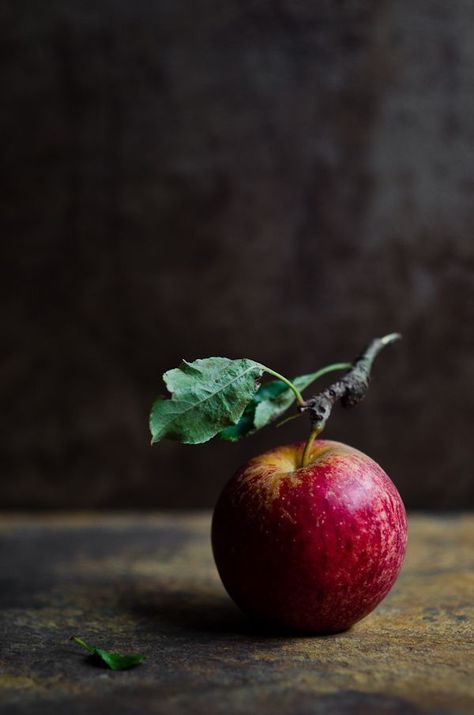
309, 447
350, 390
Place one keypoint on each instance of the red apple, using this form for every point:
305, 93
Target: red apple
313, 548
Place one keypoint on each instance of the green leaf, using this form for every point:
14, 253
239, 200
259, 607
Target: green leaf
271, 401
115, 661
206, 396
246, 425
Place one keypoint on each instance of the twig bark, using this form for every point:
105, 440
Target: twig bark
350, 390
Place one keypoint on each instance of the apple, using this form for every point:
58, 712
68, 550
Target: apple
307, 537
311, 549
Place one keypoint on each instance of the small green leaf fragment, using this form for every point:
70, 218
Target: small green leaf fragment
120, 661
207, 396
115, 661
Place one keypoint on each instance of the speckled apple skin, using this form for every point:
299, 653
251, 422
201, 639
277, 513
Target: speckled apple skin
311, 549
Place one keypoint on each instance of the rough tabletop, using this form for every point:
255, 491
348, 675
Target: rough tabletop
148, 583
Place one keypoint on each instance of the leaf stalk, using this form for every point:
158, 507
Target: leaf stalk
299, 397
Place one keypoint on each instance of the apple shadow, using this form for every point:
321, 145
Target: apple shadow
198, 614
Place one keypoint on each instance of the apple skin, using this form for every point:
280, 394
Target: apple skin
311, 549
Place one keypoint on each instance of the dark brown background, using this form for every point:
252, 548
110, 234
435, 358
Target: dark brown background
280, 180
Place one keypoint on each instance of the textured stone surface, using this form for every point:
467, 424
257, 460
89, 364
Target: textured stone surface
148, 583
281, 180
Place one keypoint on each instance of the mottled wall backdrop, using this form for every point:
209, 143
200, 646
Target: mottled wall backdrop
280, 180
